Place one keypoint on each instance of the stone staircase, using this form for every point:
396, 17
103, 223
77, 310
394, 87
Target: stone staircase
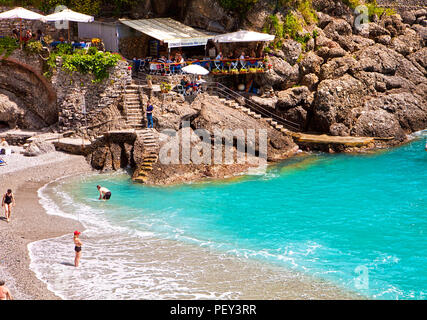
133, 107
235, 105
150, 156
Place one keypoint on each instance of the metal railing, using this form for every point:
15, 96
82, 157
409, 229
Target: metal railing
227, 93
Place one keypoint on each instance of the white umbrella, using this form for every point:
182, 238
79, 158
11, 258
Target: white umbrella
21, 13
69, 15
243, 36
195, 69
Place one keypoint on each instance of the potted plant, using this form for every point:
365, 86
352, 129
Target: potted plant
259, 70
224, 71
216, 71
252, 70
165, 87
243, 70
234, 71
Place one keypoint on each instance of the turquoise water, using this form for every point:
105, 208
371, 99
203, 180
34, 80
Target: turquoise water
359, 221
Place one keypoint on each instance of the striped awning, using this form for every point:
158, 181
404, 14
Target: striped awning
170, 31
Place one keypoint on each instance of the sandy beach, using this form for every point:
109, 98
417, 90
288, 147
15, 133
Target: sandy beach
29, 221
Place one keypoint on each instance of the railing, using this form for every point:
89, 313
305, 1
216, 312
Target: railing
165, 68
227, 93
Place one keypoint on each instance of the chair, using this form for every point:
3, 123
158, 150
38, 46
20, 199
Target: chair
181, 90
218, 64
234, 65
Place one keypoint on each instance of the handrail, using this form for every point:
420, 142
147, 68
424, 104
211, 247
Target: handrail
225, 92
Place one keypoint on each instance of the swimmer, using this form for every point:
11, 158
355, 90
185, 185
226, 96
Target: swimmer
104, 193
7, 202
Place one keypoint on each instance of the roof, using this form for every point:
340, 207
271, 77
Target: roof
168, 30
243, 36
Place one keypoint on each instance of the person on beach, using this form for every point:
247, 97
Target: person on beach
104, 193
7, 202
4, 292
78, 248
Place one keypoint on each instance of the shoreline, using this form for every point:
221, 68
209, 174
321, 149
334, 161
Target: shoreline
29, 221
28, 226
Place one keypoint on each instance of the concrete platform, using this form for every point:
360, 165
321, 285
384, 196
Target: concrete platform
73, 145
325, 139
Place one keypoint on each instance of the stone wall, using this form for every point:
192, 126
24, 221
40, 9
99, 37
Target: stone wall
103, 101
7, 26
31, 100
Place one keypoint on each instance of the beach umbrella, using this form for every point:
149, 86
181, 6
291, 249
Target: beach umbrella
195, 69
69, 15
21, 13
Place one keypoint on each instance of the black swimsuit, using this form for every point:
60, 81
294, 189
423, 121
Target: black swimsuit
7, 199
78, 248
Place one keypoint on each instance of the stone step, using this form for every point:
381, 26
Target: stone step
268, 119
152, 158
273, 123
257, 116
140, 179
283, 130
251, 113
245, 109
279, 126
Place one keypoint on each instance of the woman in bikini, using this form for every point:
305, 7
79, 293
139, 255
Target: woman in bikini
77, 248
7, 202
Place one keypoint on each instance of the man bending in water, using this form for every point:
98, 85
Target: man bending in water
4, 292
104, 193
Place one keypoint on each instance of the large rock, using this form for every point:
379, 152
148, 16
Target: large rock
408, 109
376, 123
298, 96
336, 67
292, 50
406, 43
38, 147
282, 74
334, 100
310, 63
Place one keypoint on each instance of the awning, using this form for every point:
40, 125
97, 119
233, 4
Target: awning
170, 31
243, 36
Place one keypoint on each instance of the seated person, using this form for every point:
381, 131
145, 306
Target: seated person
188, 86
15, 34
219, 56
3, 146
28, 35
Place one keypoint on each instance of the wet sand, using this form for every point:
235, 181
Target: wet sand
30, 223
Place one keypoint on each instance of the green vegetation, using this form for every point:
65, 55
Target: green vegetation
305, 7
290, 28
372, 6
239, 6
352, 3
33, 47
373, 9
7, 46
93, 61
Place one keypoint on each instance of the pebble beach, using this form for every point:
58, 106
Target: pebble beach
29, 221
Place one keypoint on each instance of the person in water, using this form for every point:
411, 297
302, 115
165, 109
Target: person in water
4, 292
78, 248
104, 193
7, 202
